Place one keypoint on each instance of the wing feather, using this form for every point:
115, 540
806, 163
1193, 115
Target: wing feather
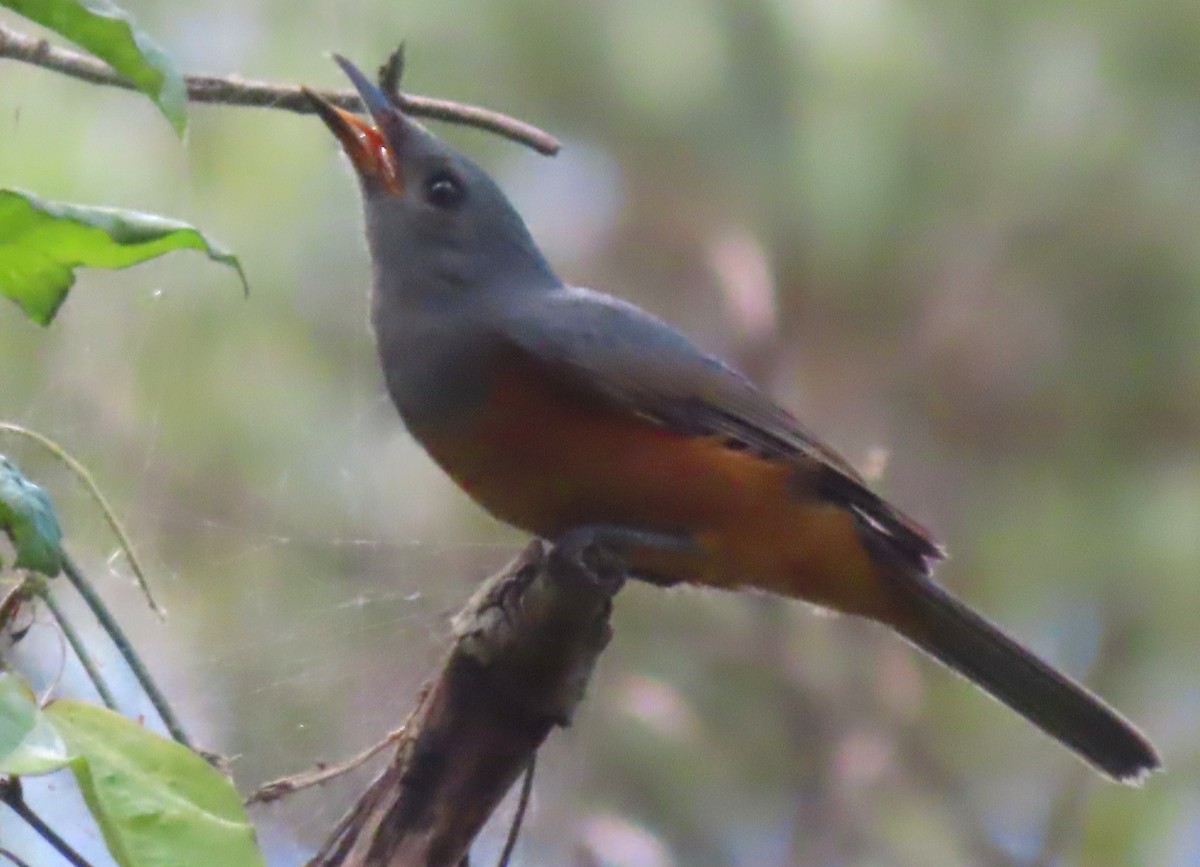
640, 363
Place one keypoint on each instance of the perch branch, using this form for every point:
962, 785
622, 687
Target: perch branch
287, 97
525, 646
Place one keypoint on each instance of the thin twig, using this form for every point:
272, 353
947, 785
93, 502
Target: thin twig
514, 830
391, 72
10, 794
276, 789
42, 589
125, 647
345, 833
89, 483
4, 853
288, 97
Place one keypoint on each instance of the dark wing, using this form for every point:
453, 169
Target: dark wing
642, 364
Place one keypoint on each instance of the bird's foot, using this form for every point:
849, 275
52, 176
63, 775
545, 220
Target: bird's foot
603, 549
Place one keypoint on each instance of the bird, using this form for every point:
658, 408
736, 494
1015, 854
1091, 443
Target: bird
587, 421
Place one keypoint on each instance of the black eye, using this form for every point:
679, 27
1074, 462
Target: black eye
444, 190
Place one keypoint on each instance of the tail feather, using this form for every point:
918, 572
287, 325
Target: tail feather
951, 632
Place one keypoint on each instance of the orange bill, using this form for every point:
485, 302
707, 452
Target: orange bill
366, 146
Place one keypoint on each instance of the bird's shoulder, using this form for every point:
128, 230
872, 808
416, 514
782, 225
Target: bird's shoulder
634, 360
637, 358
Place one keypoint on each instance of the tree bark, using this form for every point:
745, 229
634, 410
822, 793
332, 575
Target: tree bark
524, 649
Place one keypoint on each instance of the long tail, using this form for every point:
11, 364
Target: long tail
951, 632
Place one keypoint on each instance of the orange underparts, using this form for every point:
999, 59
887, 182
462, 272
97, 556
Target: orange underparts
549, 459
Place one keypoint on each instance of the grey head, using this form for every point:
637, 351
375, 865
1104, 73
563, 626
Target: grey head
438, 226
451, 257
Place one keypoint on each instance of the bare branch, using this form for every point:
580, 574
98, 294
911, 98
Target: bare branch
525, 647
286, 97
318, 776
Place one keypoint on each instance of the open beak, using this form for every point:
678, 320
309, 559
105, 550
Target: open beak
365, 145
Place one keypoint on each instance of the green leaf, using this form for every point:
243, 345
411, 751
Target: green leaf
29, 743
27, 517
41, 243
107, 32
157, 803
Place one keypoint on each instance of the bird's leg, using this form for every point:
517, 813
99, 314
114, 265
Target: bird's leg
604, 546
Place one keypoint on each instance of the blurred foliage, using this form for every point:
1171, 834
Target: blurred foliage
104, 29
27, 518
963, 233
42, 243
156, 801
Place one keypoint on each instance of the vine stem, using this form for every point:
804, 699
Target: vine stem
11, 795
42, 589
110, 625
514, 830
93, 489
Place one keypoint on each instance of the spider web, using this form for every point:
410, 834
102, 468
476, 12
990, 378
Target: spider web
284, 646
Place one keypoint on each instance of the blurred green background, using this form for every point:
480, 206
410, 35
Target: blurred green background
961, 236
